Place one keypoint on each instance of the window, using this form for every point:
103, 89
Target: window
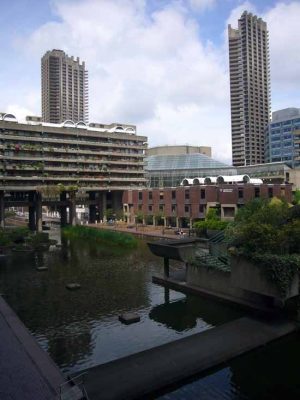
173, 208
256, 192
187, 194
241, 193
149, 208
173, 194
201, 208
140, 195
270, 192
140, 207
161, 195
150, 195
161, 207
186, 209
202, 193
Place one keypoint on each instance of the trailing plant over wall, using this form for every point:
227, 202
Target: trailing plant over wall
268, 233
278, 269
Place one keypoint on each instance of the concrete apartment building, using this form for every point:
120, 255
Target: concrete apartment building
282, 137
61, 165
178, 150
64, 88
249, 88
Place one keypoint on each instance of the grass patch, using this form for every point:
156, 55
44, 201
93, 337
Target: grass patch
102, 236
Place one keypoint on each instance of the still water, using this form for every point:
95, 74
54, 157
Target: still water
80, 329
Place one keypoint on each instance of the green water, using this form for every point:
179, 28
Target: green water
80, 329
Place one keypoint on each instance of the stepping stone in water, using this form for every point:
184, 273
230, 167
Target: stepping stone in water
42, 268
73, 286
129, 318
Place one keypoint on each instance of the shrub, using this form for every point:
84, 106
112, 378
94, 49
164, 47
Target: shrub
108, 237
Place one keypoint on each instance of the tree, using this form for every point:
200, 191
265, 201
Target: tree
264, 226
296, 199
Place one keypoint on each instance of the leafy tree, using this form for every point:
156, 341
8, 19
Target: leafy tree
296, 199
265, 226
139, 217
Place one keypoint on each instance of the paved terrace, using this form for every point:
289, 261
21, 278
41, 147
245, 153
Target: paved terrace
146, 231
26, 371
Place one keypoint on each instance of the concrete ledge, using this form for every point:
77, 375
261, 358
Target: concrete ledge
141, 374
26, 370
192, 289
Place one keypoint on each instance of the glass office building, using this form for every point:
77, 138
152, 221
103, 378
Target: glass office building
282, 137
170, 170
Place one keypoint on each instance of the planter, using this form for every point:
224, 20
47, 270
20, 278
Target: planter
249, 276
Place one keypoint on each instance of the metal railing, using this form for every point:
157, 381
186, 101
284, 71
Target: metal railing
73, 389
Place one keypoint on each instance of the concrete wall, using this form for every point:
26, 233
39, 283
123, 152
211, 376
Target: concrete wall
248, 276
177, 150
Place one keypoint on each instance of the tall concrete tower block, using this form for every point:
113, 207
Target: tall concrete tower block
64, 88
249, 88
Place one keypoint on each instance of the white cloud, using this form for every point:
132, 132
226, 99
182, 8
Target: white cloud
18, 111
202, 5
156, 71
283, 25
151, 70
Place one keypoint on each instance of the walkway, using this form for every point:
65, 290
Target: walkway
147, 231
143, 373
26, 371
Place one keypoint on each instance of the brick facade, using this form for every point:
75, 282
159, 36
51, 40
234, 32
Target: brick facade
192, 202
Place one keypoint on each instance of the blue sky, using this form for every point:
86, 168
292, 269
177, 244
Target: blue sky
160, 64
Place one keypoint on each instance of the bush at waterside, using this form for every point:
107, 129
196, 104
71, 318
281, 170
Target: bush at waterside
100, 235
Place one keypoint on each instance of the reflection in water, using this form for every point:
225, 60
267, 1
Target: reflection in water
184, 314
269, 373
80, 328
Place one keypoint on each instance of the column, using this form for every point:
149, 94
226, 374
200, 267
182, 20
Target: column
92, 213
92, 208
2, 210
104, 205
31, 212
72, 209
39, 212
63, 210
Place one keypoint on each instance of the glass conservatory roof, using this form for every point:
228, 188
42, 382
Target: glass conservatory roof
181, 162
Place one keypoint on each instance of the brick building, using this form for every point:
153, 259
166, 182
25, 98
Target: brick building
181, 206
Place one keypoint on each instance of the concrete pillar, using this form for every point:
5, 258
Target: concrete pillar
114, 201
39, 212
165, 221
154, 220
92, 208
63, 216
72, 209
104, 205
166, 267
191, 223
63, 211
31, 218
92, 213
177, 222
2, 210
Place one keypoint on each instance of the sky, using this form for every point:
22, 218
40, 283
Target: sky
159, 64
